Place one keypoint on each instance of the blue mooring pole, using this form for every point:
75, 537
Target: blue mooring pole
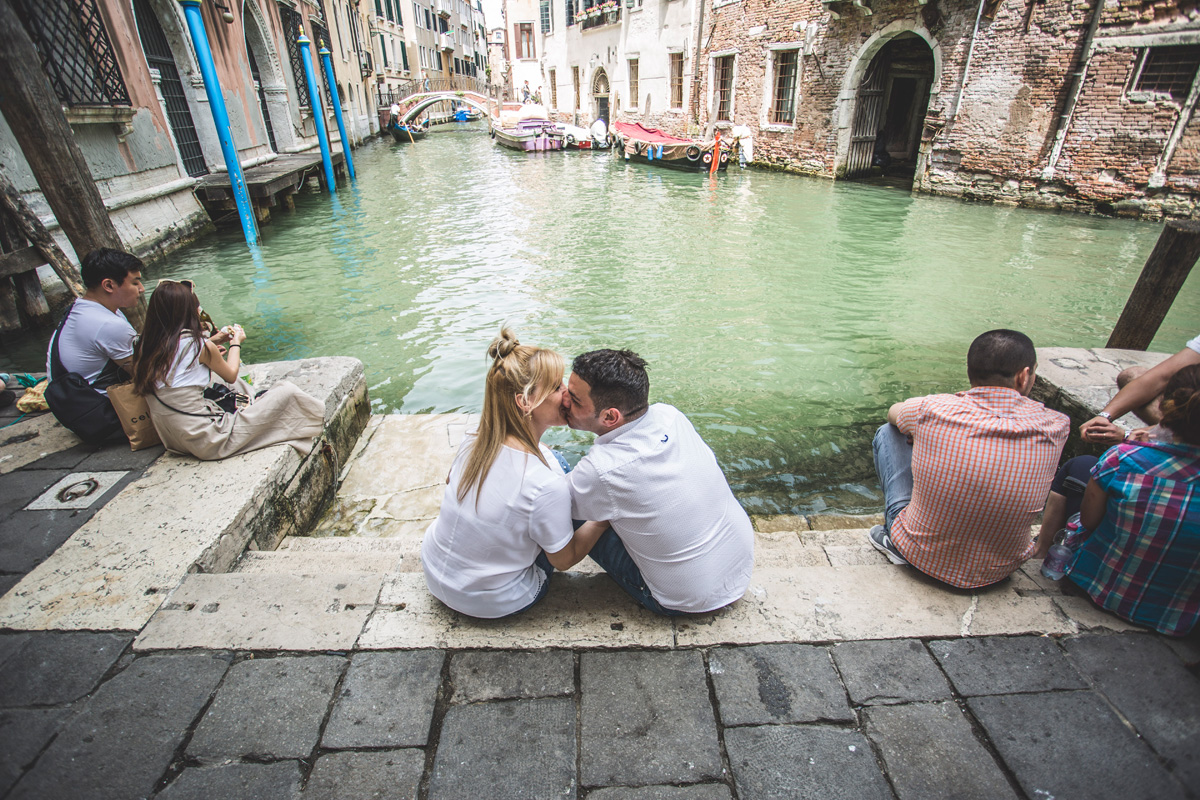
216, 101
318, 109
337, 108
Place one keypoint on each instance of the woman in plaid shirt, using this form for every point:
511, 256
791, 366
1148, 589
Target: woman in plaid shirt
1142, 559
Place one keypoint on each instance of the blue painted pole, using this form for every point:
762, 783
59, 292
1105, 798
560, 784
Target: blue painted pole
318, 109
337, 108
216, 101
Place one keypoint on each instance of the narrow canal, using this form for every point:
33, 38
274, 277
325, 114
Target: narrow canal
782, 314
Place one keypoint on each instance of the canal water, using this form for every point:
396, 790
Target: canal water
782, 314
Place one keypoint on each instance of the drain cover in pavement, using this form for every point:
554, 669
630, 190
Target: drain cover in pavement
77, 490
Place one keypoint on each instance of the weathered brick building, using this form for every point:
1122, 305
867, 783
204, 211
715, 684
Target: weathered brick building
1084, 104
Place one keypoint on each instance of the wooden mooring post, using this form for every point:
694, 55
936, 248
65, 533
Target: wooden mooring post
35, 115
1167, 268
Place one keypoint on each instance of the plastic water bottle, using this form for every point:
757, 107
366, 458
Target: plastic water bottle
1055, 565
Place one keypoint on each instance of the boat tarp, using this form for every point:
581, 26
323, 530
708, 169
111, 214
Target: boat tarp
632, 130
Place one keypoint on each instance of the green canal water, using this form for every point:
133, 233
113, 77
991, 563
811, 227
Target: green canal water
781, 314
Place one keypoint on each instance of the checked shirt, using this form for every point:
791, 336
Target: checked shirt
982, 464
1143, 561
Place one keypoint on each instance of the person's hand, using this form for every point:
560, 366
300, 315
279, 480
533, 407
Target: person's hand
220, 337
1140, 434
236, 334
1101, 431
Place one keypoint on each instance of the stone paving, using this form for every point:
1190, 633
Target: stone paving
323, 669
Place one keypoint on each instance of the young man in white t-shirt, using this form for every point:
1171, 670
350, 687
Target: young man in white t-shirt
680, 543
96, 332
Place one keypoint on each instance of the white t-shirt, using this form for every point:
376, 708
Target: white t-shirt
478, 559
1194, 344
660, 486
91, 337
187, 369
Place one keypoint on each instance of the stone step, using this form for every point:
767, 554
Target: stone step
318, 562
343, 544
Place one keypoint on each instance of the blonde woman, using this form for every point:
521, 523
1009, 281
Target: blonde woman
505, 521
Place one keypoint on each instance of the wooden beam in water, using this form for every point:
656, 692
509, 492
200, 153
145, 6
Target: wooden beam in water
1162, 277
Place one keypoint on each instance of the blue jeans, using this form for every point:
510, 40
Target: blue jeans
542, 563
610, 553
893, 465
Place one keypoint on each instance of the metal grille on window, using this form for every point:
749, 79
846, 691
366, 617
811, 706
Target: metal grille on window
291, 30
1169, 70
545, 15
724, 75
633, 82
676, 80
570, 15
321, 37
784, 111
75, 51
179, 115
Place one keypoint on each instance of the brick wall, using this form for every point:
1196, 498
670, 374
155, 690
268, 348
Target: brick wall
998, 146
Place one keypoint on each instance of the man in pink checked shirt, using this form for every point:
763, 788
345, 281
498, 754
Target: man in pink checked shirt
964, 475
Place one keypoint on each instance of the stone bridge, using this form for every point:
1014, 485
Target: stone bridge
418, 102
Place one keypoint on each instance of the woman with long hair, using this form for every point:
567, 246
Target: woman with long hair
1141, 559
505, 520
174, 363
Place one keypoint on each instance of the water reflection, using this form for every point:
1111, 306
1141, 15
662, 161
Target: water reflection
782, 314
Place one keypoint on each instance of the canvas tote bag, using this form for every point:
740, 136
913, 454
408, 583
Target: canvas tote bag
135, 416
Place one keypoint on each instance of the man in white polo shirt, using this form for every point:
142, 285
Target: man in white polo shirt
680, 543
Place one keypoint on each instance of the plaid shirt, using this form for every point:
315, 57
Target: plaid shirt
1143, 561
982, 465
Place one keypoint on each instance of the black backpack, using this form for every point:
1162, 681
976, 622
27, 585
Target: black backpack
76, 404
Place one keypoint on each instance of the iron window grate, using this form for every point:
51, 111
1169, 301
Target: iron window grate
291, 31
676, 80
76, 53
784, 111
1169, 70
724, 75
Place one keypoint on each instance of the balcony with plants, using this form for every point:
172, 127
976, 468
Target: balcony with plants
607, 12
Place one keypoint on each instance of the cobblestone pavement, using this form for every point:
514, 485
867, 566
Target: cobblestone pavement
1088, 716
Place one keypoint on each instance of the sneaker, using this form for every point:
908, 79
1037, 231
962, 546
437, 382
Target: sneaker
883, 543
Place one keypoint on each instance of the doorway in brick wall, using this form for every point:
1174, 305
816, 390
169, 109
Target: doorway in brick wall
890, 105
600, 96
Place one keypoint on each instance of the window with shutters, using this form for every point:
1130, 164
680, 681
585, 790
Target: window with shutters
525, 40
633, 82
545, 15
676, 80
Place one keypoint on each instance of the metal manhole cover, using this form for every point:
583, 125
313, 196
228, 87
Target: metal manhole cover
77, 490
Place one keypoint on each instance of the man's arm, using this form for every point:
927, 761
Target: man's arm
579, 546
893, 414
1054, 519
1136, 394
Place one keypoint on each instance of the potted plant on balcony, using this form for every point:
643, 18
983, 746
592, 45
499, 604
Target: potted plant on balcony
581, 16
610, 8
593, 12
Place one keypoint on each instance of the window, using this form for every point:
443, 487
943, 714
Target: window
545, 15
676, 80
575, 81
404, 55
1169, 70
388, 10
76, 53
723, 85
783, 112
428, 19
379, 8
633, 82
525, 40
553, 91
399, 16
570, 15
439, 61
383, 51
290, 21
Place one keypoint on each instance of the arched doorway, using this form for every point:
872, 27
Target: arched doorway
600, 95
890, 104
256, 49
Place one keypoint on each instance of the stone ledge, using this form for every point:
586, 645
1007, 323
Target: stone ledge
186, 515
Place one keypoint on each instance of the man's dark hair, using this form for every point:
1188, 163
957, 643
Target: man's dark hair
999, 355
617, 379
106, 263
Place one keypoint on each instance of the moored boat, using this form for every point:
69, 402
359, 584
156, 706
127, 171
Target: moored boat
576, 138
407, 132
651, 146
527, 129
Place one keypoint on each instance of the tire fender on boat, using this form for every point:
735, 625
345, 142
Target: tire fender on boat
693, 152
570, 140
708, 158
724, 157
